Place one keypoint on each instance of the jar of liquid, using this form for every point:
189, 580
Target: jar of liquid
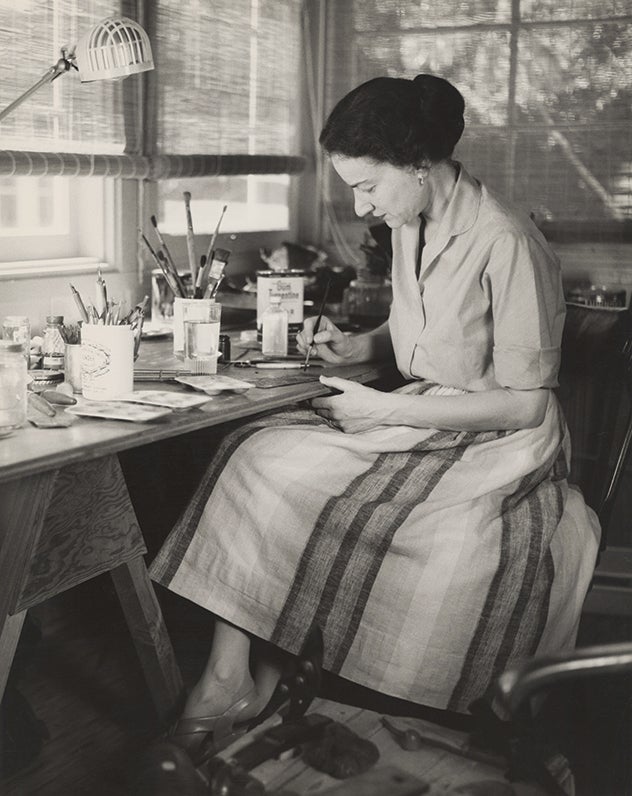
17, 329
274, 329
13, 380
54, 345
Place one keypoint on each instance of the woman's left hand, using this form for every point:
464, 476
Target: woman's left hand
356, 408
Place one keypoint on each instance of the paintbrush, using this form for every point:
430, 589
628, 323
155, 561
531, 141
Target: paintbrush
173, 285
190, 237
211, 246
176, 276
168, 257
317, 324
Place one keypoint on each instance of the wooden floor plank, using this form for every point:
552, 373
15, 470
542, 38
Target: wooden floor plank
439, 768
85, 682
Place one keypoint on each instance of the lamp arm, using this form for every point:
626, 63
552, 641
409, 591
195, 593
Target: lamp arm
65, 63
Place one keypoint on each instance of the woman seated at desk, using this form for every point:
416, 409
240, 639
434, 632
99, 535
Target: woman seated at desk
429, 533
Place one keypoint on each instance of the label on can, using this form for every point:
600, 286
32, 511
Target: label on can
289, 287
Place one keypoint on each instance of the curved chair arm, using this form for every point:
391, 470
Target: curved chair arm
516, 685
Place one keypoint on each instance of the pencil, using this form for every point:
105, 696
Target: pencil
101, 294
80, 305
190, 238
317, 324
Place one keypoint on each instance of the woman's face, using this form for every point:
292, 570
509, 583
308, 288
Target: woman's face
393, 194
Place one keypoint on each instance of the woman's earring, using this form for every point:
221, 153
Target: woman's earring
420, 177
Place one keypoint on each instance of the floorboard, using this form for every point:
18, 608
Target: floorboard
84, 682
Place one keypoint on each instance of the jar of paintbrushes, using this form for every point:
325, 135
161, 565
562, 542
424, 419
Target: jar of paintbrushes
195, 302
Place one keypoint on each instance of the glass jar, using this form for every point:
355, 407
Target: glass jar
367, 302
13, 380
54, 345
17, 328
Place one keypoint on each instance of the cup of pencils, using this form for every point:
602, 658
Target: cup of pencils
110, 340
107, 361
106, 312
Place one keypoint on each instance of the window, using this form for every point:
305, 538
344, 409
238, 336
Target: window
221, 115
46, 218
254, 202
52, 218
236, 94
548, 91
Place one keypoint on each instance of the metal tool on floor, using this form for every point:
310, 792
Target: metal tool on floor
231, 777
408, 739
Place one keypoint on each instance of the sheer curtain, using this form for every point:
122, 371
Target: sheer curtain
548, 90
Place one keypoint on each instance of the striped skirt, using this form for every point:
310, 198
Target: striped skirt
430, 559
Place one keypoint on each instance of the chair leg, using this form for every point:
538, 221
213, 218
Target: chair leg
146, 623
9, 638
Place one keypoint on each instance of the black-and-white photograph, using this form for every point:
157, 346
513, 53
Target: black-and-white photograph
315, 398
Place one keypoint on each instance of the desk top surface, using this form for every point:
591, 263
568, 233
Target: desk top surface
30, 450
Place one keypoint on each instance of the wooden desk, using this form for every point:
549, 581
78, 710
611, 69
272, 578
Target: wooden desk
66, 515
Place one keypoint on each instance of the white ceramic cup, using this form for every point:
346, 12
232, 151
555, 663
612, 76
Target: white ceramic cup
107, 361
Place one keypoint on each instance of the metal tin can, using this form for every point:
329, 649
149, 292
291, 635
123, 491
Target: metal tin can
289, 287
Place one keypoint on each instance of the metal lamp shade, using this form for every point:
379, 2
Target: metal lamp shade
114, 48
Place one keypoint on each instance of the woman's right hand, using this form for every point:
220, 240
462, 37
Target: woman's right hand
330, 343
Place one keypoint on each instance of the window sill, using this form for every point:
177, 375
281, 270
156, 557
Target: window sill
27, 269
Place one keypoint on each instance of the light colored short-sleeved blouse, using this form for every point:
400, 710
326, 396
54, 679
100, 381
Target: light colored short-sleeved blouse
487, 310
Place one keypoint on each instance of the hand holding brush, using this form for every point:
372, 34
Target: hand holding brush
317, 324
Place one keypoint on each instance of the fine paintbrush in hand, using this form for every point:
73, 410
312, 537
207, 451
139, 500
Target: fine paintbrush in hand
317, 325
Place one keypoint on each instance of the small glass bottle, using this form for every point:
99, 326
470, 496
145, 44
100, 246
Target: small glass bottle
274, 329
54, 345
13, 381
17, 328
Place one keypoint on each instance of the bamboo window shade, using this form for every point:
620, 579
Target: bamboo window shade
221, 101
547, 87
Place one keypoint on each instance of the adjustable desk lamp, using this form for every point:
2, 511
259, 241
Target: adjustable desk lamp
114, 48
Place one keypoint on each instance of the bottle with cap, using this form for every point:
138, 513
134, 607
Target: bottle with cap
53, 346
274, 329
13, 381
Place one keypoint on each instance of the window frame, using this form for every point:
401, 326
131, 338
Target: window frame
97, 241
616, 230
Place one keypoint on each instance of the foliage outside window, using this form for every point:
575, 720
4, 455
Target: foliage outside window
548, 90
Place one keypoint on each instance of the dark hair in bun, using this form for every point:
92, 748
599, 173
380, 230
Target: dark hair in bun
398, 121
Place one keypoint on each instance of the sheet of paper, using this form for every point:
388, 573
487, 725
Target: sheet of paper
174, 400
214, 385
118, 410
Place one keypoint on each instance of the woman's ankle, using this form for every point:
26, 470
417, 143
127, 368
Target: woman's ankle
215, 695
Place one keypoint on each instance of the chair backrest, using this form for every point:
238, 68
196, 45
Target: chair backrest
595, 393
